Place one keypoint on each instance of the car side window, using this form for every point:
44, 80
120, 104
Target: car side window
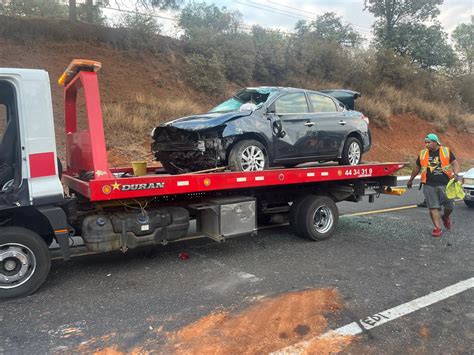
322, 103
291, 103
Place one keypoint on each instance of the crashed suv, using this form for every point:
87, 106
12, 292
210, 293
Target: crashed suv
264, 127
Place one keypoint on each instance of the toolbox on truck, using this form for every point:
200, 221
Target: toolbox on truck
226, 217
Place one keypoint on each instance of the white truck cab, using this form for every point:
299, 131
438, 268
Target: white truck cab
28, 158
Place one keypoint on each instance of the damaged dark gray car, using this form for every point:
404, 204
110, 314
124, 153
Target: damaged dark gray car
264, 127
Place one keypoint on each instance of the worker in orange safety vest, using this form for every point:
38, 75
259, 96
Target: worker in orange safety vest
438, 165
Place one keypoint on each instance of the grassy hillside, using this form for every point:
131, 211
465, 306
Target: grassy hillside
141, 87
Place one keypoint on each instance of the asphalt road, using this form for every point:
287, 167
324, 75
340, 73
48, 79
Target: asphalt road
374, 262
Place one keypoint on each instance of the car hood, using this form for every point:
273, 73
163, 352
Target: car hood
205, 121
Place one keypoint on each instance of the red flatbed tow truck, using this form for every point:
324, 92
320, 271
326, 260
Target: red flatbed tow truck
111, 209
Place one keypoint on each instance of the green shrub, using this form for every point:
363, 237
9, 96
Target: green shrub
206, 74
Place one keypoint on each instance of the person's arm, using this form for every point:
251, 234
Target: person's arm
456, 168
414, 173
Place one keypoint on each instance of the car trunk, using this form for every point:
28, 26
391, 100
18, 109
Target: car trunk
347, 97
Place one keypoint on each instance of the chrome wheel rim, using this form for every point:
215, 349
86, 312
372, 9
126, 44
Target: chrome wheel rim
323, 219
252, 159
354, 153
17, 265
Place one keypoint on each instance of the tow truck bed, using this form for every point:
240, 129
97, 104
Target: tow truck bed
123, 185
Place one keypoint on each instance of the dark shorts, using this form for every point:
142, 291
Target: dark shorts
436, 197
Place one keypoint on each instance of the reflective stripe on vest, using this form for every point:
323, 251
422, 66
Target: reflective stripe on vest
444, 155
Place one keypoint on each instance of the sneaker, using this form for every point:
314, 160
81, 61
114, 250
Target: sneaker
447, 222
437, 232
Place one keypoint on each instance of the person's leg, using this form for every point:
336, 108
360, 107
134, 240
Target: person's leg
432, 202
434, 214
448, 207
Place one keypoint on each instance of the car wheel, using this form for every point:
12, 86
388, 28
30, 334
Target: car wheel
248, 155
469, 203
352, 152
24, 262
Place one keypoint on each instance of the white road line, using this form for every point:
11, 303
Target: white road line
383, 317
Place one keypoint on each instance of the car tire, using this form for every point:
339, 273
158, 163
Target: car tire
317, 218
469, 203
352, 152
254, 151
25, 262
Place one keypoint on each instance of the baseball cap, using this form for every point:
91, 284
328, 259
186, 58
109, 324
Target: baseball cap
432, 137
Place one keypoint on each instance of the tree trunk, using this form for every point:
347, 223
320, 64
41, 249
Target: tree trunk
89, 11
72, 10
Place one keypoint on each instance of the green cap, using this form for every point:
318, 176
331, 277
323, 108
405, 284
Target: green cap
432, 137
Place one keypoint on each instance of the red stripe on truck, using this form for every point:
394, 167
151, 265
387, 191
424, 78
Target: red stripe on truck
42, 164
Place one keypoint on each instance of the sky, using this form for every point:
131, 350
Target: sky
283, 14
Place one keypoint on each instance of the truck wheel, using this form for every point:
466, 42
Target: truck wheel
248, 155
469, 203
317, 218
24, 262
352, 152
295, 212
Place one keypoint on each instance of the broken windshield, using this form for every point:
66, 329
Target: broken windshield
255, 96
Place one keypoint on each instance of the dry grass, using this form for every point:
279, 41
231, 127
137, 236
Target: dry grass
391, 101
378, 111
137, 117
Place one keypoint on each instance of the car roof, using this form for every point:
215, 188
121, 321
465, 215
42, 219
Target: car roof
283, 88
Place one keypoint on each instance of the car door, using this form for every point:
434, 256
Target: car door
294, 136
331, 124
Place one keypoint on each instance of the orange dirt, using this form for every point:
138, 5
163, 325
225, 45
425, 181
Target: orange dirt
267, 326
424, 332
404, 139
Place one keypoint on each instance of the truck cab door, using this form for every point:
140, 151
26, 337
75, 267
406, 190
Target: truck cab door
8, 137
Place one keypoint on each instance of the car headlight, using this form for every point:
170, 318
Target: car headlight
467, 181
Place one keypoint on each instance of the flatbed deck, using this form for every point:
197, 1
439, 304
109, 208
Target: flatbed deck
124, 186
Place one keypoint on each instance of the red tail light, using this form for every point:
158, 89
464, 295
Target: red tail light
366, 119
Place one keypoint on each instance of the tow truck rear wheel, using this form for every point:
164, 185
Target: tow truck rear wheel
316, 218
24, 262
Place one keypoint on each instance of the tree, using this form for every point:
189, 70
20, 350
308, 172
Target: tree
329, 27
424, 45
161, 4
401, 26
391, 14
197, 18
271, 56
72, 10
463, 37
41, 8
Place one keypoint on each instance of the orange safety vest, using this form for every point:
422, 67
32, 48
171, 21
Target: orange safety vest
444, 155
